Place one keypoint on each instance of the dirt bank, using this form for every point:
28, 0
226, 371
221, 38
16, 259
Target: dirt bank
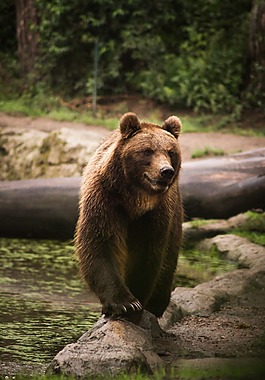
190, 142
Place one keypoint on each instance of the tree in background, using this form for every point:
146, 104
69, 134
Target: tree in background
205, 55
255, 81
27, 36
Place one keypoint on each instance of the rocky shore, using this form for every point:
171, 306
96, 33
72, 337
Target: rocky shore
222, 318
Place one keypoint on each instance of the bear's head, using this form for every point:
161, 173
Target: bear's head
151, 156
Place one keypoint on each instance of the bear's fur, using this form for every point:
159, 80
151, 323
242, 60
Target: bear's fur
130, 224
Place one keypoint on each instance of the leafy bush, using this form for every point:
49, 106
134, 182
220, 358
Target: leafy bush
204, 76
187, 53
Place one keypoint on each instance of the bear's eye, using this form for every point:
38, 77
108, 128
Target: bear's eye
148, 152
171, 153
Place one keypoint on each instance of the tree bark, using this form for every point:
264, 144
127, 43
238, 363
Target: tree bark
211, 188
256, 48
223, 187
27, 35
39, 208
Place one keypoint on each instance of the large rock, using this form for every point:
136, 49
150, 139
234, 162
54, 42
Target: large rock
111, 347
201, 229
29, 153
236, 248
208, 297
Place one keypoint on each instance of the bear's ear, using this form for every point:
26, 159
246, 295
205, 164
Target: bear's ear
129, 124
173, 125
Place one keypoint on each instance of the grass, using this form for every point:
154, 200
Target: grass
64, 114
207, 152
253, 228
217, 123
221, 369
254, 237
45, 105
24, 107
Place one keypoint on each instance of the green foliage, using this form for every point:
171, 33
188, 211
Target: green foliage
186, 53
7, 26
207, 72
42, 104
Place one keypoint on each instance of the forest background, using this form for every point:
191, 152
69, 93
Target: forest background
205, 55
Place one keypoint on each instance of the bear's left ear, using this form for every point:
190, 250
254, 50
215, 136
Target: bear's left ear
173, 125
129, 124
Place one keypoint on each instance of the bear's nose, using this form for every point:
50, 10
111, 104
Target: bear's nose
167, 172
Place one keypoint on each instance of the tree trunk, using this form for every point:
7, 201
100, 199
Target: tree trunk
27, 36
256, 48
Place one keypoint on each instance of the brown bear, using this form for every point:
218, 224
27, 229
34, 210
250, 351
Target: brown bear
130, 224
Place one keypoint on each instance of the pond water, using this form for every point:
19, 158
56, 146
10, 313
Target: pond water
44, 305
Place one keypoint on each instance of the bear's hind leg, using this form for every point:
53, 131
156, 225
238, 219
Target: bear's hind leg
159, 300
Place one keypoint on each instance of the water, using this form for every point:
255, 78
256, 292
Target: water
44, 305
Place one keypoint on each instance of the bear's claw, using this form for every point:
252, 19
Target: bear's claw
136, 305
116, 308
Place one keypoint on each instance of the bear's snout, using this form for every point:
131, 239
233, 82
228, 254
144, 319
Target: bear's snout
167, 172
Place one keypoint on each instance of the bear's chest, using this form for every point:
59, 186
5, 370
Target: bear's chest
142, 203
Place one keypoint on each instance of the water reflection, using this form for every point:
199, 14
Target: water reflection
43, 303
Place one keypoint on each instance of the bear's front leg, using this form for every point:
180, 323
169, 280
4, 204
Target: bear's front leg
103, 273
107, 283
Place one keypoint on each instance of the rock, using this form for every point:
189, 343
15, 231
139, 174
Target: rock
247, 222
201, 301
111, 347
208, 297
29, 153
238, 249
201, 229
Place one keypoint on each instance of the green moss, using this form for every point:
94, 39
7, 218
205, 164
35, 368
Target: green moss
253, 227
256, 221
197, 223
254, 237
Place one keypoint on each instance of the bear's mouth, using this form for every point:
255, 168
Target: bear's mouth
158, 185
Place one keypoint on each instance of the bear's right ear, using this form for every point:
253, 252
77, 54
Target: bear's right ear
129, 124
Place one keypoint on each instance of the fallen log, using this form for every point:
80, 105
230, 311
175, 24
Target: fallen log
211, 188
39, 208
224, 186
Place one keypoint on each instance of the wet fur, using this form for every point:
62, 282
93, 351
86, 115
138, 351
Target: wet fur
128, 236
